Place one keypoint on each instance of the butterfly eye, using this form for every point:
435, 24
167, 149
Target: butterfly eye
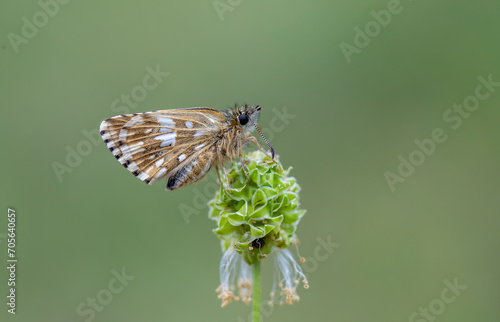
243, 118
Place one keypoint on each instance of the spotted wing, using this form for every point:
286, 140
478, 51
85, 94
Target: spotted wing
154, 145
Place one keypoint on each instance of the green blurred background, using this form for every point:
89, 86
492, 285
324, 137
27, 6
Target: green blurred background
347, 124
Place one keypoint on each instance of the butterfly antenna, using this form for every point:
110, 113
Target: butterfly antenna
260, 132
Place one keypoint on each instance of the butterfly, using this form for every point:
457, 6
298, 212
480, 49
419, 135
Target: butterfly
181, 144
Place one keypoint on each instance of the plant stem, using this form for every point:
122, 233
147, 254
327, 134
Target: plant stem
256, 292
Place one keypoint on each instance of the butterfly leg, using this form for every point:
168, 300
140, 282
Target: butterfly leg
254, 141
219, 181
227, 179
219, 155
244, 168
242, 161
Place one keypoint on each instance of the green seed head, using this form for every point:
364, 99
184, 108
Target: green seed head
258, 214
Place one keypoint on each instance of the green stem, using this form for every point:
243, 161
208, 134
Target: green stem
256, 292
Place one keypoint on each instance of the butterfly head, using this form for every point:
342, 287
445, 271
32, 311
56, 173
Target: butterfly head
248, 115
248, 118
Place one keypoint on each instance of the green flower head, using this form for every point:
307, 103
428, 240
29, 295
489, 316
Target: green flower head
259, 214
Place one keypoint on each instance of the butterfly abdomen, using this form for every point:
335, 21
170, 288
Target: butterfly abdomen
194, 170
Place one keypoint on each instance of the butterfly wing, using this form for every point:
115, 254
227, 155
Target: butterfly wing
154, 145
193, 169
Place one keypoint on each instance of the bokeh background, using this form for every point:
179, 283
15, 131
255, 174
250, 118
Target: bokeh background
347, 120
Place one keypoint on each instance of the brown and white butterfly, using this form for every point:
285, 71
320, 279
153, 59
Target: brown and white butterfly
181, 144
